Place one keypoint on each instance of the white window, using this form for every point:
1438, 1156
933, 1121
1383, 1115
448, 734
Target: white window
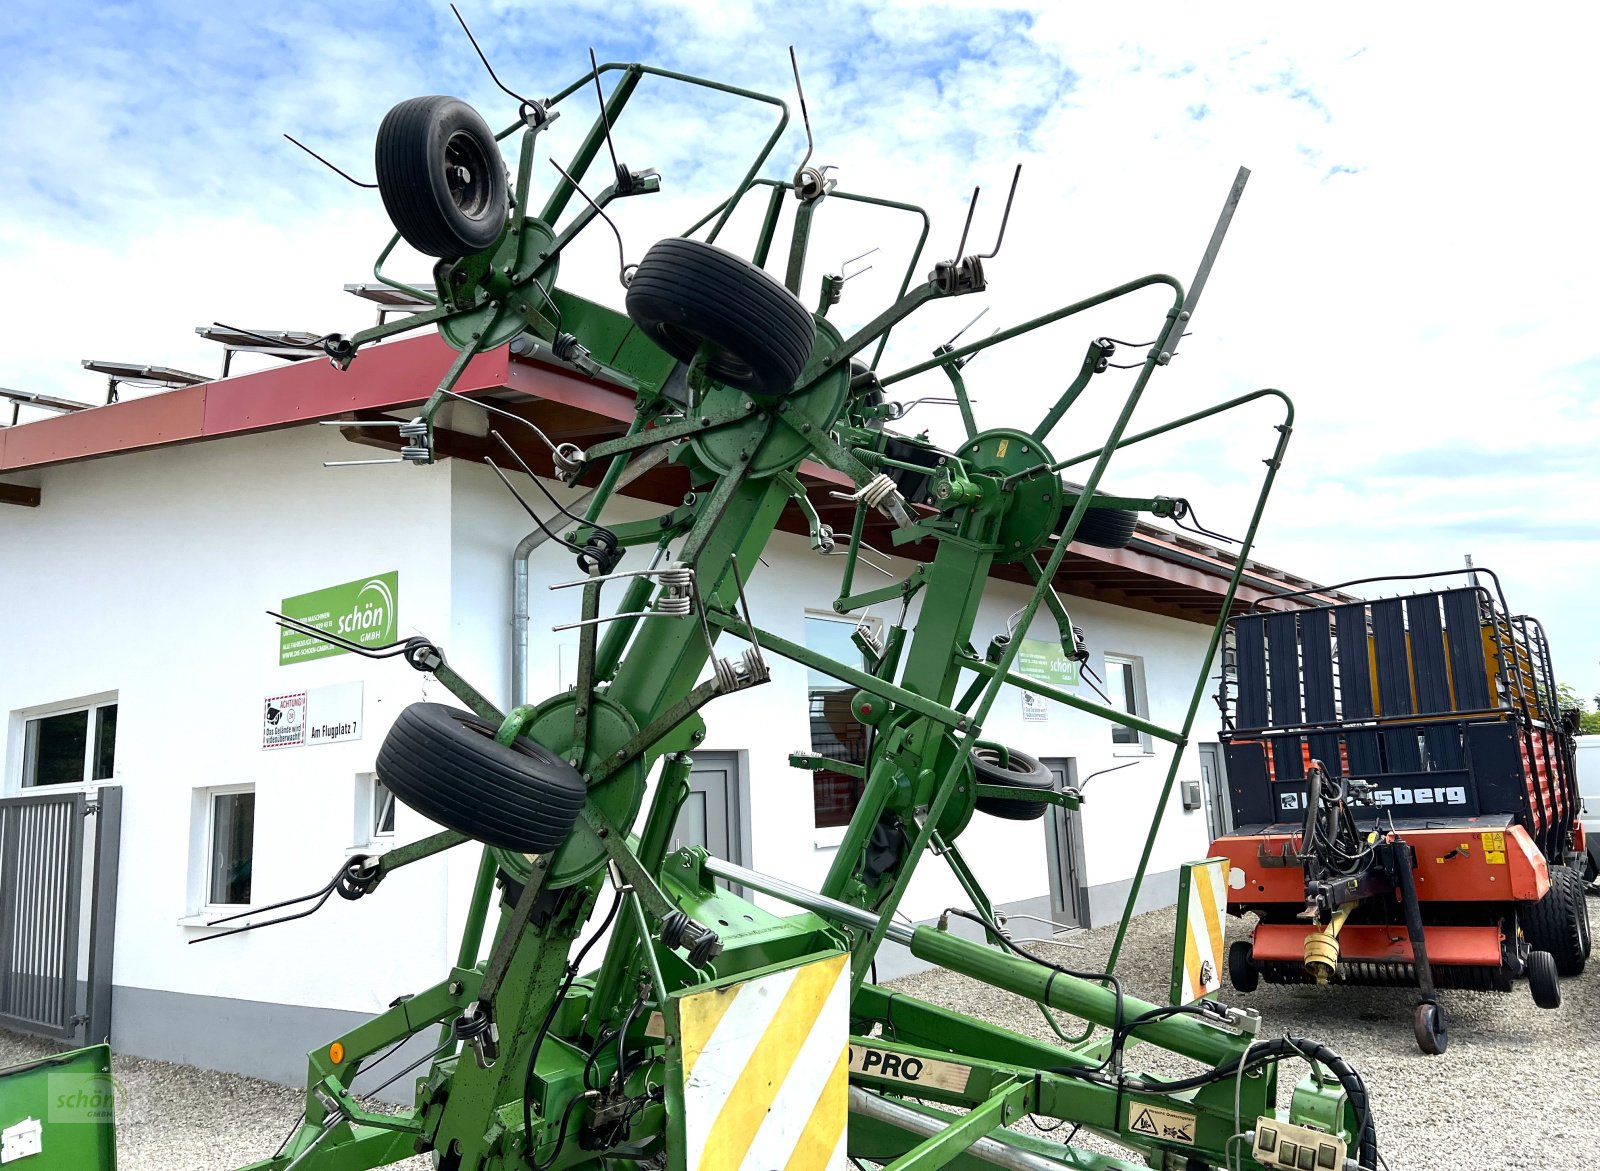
70, 745
374, 812
1125, 688
230, 845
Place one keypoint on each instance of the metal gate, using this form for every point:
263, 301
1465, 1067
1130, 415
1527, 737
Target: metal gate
43, 874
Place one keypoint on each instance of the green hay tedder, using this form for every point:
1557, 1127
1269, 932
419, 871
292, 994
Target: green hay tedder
711, 1032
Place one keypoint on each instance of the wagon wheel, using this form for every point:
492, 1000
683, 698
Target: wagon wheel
1021, 771
1559, 922
686, 294
446, 764
441, 176
1242, 973
1543, 983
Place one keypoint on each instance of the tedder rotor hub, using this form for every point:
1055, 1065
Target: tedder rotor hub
617, 796
480, 285
1033, 502
748, 446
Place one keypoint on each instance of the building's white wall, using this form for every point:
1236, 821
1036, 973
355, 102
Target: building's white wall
148, 575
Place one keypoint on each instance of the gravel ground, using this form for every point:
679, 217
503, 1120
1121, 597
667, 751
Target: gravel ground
1519, 1088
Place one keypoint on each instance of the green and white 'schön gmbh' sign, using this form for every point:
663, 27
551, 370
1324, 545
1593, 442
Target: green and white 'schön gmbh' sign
362, 611
1044, 661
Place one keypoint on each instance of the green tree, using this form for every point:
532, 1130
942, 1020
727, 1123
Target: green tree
1588, 721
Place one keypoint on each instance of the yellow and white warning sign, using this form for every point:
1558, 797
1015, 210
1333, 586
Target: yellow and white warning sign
1197, 946
766, 1071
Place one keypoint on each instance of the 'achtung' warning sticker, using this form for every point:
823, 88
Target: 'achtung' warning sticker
1173, 1126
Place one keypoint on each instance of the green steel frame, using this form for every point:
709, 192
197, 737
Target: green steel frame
524, 1038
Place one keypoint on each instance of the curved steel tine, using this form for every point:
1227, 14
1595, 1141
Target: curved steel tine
844, 276
321, 895
1005, 218
972, 206
340, 171
492, 75
490, 408
387, 651
622, 255
605, 120
955, 337
805, 115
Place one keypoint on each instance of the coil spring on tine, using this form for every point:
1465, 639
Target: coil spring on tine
677, 590
748, 670
876, 490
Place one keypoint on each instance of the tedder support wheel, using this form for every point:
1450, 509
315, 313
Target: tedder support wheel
686, 293
1024, 773
446, 764
1542, 980
1104, 528
442, 177
1559, 922
1242, 972
1433, 1034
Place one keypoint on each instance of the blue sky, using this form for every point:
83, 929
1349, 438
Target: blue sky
1410, 261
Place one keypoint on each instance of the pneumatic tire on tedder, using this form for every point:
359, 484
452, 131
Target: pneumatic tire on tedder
1559, 922
1024, 772
1104, 528
441, 176
446, 764
687, 293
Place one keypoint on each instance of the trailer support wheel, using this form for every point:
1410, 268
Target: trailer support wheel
1542, 979
1242, 972
1432, 1031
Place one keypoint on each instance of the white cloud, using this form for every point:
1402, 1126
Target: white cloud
1411, 260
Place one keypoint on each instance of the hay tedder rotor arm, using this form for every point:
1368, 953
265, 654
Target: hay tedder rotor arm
714, 1032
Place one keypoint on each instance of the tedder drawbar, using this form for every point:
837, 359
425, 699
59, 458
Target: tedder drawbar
1404, 798
713, 1033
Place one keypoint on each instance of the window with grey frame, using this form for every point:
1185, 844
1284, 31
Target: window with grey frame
1125, 688
72, 747
231, 845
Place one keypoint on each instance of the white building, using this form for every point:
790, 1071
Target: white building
161, 529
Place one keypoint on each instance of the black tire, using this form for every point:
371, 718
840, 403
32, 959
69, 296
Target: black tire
1431, 1030
1542, 980
446, 764
442, 177
1578, 886
685, 293
1242, 972
1559, 922
1025, 773
1104, 528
